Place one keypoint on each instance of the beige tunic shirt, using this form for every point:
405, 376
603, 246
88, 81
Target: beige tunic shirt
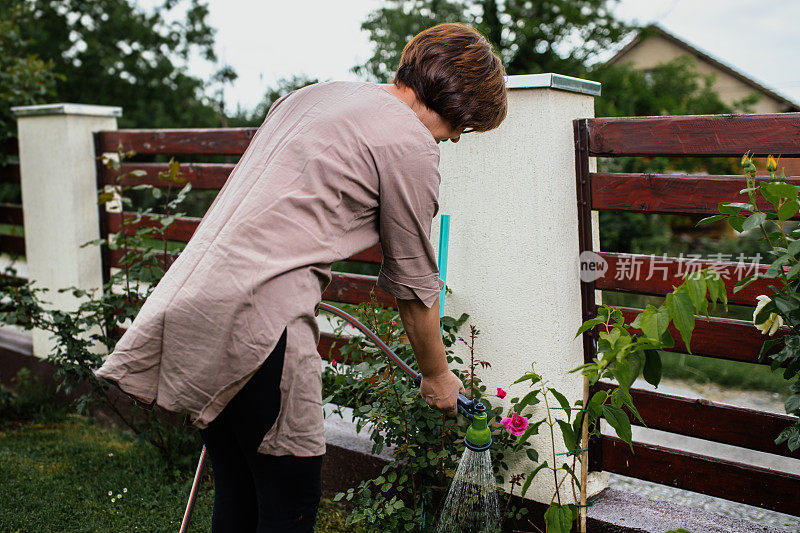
335, 167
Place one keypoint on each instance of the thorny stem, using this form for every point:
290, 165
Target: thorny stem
114, 407
441, 463
508, 500
572, 482
558, 486
751, 184
125, 245
408, 436
473, 332
552, 442
166, 256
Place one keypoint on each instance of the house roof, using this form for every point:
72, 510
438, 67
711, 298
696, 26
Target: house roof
655, 29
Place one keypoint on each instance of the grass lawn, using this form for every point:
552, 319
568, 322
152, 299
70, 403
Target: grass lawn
731, 374
69, 475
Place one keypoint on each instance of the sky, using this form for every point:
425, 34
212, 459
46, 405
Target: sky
267, 40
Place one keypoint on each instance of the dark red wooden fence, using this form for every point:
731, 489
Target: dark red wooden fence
686, 136
344, 287
11, 213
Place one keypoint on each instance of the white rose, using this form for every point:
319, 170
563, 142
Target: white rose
772, 323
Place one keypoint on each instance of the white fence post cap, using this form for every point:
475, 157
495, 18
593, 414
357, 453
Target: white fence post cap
67, 109
550, 80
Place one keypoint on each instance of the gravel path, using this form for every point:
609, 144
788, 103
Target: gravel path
752, 399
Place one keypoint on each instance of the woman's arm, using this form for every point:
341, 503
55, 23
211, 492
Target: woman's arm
439, 387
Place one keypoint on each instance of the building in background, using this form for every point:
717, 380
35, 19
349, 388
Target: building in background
653, 45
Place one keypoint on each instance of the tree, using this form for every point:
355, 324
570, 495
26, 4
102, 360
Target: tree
112, 52
25, 79
529, 36
242, 117
392, 26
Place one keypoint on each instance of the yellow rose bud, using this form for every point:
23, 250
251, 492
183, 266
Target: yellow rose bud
772, 165
745, 159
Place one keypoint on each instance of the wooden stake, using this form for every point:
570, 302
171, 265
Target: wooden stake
582, 510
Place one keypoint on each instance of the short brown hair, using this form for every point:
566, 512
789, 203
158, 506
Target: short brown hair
452, 69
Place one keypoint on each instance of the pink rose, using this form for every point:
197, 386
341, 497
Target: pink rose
501, 393
333, 363
516, 425
393, 322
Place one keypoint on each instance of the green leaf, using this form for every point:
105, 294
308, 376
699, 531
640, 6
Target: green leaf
715, 284
793, 404
595, 404
792, 273
753, 221
617, 419
666, 340
562, 401
558, 518
652, 367
533, 429
533, 377
788, 210
610, 337
709, 220
654, 322
681, 310
531, 476
794, 247
631, 371
767, 310
781, 190
732, 208
696, 287
736, 221
532, 454
570, 439
790, 435
528, 399
589, 324
627, 401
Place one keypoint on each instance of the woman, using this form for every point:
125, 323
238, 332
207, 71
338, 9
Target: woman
229, 335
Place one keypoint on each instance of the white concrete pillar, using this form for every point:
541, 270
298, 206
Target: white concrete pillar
513, 260
59, 199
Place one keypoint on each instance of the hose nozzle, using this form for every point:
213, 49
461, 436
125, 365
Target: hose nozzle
478, 437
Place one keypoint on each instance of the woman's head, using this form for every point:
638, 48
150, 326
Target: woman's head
453, 71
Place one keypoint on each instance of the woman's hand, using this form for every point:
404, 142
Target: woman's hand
439, 387
440, 391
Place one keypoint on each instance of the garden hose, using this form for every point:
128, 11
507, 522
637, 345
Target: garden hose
478, 437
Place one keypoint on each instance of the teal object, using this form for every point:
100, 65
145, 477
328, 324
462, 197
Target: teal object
444, 242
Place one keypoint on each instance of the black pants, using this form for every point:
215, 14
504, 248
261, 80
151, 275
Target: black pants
254, 492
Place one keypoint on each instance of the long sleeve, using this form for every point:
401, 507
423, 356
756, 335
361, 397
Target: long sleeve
409, 191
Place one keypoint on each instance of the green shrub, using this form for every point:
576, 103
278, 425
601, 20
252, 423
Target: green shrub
30, 399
